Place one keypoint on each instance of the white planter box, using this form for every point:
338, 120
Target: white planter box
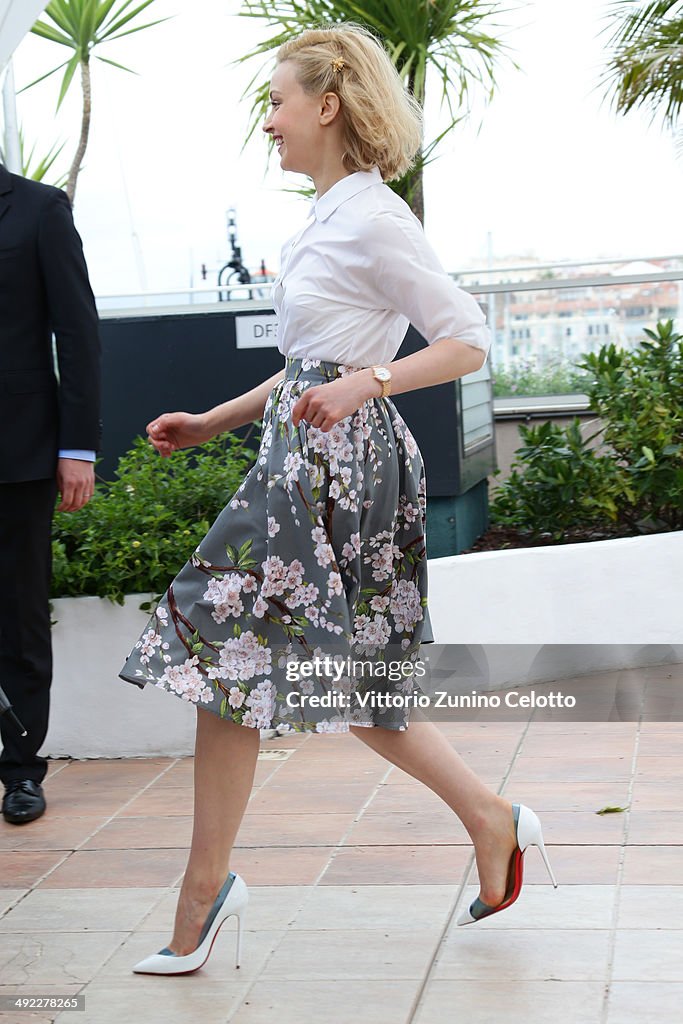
607, 604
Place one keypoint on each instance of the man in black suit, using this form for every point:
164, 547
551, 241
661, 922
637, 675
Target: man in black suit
49, 435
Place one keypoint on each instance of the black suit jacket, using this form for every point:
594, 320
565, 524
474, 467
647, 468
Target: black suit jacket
44, 288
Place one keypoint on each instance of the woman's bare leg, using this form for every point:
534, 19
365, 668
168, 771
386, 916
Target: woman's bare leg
224, 764
424, 752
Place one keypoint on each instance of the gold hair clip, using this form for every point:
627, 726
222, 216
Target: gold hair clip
338, 63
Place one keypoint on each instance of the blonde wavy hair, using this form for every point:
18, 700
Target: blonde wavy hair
383, 122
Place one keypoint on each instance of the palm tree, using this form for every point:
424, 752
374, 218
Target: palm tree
646, 67
37, 168
453, 37
83, 25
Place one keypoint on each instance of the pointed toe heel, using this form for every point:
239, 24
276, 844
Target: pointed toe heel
528, 832
232, 899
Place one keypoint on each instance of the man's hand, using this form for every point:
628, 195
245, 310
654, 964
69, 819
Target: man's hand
76, 483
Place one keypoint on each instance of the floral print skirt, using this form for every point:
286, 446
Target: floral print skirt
304, 606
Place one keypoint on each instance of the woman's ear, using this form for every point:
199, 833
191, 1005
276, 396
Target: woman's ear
330, 105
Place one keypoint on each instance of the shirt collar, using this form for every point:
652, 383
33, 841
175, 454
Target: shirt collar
344, 189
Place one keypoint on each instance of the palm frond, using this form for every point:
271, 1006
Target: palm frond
38, 171
645, 68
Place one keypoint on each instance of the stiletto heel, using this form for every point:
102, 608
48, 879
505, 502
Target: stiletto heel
238, 948
232, 899
541, 846
528, 833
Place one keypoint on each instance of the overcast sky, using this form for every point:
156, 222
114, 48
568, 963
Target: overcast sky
546, 167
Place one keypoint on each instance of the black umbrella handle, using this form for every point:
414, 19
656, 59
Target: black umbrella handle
13, 718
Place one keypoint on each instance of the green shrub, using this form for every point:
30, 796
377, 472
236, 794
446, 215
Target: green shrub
557, 482
138, 530
525, 377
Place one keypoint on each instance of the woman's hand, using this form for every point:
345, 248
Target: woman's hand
323, 405
173, 430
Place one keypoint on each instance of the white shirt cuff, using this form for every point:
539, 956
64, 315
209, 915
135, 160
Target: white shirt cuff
77, 453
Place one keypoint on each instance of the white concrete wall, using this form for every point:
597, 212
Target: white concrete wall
604, 605
626, 591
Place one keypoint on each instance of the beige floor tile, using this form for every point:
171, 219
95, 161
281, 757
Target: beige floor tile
333, 907
317, 797
404, 798
158, 1000
331, 1001
568, 796
653, 865
542, 906
490, 777
50, 833
648, 955
568, 768
353, 955
294, 829
73, 910
656, 828
27, 867
529, 954
288, 865
650, 906
511, 1002
434, 826
659, 767
588, 744
652, 742
150, 832
77, 801
117, 868
397, 865
598, 730
54, 958
335, 775
657, 796
8, 897
105, 773
638, 1002
160, 800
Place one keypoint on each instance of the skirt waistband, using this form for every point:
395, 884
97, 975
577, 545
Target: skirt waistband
323, 369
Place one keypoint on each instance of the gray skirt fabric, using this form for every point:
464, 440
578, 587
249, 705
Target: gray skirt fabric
304, 606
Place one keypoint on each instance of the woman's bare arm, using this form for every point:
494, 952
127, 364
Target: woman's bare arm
244, 409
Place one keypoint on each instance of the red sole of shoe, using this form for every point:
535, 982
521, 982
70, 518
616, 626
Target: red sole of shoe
517, 873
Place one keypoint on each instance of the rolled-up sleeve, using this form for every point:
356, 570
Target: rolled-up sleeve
410, 278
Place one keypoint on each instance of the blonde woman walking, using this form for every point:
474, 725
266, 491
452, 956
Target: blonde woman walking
320, 554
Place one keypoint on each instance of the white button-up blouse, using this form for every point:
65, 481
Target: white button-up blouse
359, 272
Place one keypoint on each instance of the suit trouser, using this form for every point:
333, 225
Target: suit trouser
26, 511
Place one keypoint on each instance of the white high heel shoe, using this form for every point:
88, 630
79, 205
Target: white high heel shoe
529, 833
232, 899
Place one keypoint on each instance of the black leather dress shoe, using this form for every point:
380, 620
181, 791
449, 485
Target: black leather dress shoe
24, 801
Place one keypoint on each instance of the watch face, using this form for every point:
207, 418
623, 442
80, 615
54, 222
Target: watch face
382, 373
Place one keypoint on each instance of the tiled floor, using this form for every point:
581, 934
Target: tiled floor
356, 875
